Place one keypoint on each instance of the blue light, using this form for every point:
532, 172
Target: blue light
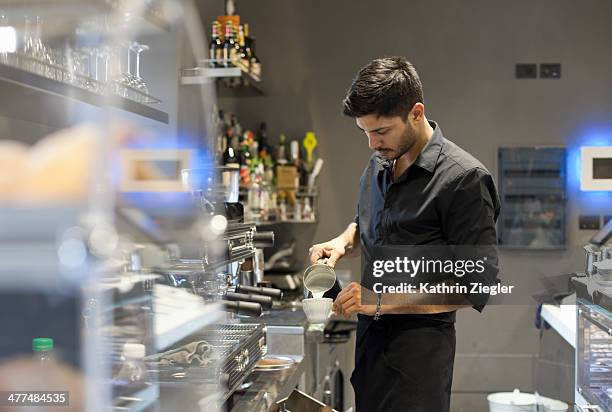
168, 203
591, 137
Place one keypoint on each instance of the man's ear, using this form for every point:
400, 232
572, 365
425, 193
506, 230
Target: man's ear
417, 113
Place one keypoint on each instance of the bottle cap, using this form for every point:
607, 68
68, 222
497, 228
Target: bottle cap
134, 350
40, 344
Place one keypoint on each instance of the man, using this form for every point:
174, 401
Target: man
417, 189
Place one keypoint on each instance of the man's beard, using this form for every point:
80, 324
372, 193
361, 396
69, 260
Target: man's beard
407, 141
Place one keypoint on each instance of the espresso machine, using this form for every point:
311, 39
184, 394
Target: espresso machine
207, 293
594, 329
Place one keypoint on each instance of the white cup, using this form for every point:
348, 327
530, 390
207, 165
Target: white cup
317, 310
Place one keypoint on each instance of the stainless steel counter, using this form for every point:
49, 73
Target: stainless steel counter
264, 388
267, 387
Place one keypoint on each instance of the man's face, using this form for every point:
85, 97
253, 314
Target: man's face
391, 137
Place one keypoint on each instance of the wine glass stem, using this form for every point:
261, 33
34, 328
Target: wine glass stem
95, 65
138, 64
106, 58
129, 61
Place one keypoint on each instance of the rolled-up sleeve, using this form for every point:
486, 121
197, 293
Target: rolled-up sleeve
471, 208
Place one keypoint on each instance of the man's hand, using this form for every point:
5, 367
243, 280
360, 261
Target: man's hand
332, 250
350, 300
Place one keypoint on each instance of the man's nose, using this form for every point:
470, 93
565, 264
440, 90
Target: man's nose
373, 141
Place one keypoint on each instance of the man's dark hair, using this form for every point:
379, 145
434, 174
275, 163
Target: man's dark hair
385, 87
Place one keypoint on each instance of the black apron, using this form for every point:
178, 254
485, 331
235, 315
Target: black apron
403, 363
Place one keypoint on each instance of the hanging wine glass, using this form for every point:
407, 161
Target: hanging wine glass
94, 73
139, 83
44, 60
27, 47
113, 69
105, 55
65, 63
4, 54
85, 66
126, 71
74, 64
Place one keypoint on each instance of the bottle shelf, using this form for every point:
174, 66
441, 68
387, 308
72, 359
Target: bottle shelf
39, 99
232, 81
299, 197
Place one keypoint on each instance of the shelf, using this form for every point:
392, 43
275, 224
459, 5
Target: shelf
30, 97
185, 314
231, 81
63, 11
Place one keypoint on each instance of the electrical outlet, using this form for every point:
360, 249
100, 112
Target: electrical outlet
526, 71
550, 70
589, 222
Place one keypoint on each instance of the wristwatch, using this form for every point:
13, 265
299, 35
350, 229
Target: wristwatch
378, 305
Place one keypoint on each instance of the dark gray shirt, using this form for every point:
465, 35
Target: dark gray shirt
446, 197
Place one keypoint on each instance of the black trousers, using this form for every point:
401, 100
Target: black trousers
403, 365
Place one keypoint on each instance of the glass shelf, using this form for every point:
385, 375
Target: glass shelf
40, 99
150, 20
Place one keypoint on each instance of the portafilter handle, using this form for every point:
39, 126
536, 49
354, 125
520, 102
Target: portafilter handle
242, 308
263, 239
260, 290
264, 301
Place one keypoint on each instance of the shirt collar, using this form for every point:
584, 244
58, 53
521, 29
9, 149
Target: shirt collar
428, 158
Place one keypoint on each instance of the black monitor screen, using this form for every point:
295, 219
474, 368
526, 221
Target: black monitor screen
602, 168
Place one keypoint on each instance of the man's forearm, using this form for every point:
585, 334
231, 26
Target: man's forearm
350, 238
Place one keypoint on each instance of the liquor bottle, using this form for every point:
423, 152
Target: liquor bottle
243, 55
268, 170
282, 206
249, 139
255, 64
237, 49
295, 153
221, 143
237, 128
247, 44
262, 140
245, 165
230, 157
230, 7
255, 160
229, 49
281, 151
297, 162
307, 213
216, 46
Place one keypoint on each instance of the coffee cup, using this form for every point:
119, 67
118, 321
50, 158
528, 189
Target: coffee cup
317, 310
